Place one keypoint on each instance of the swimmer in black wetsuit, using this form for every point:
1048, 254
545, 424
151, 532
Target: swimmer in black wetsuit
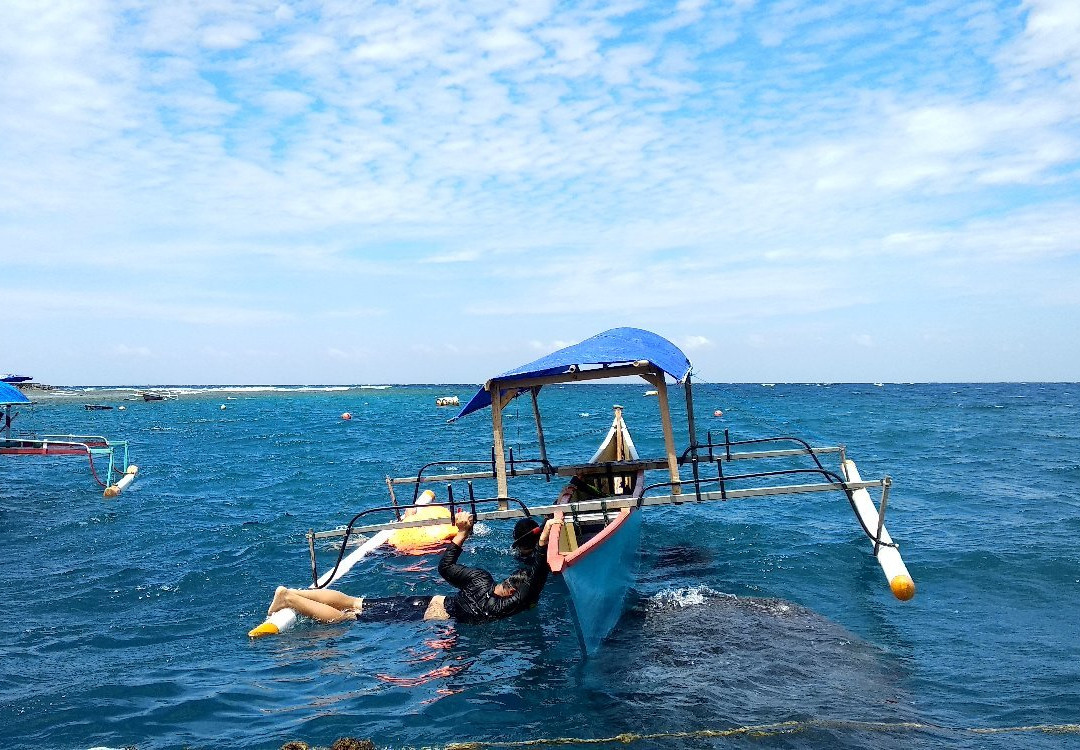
478, 599
526, 534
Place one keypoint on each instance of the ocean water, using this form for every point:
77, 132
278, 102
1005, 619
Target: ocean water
124, 621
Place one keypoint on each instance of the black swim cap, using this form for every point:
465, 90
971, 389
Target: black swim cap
524, 538
518, 579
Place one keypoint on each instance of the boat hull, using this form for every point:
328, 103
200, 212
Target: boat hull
599, 575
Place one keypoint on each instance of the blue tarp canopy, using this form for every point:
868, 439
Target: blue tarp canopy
619, 346
9, 394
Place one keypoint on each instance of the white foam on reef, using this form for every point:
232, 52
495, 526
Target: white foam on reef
260, 389
191, 390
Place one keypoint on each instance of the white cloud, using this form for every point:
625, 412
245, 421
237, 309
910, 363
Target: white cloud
228, 36
690, 343
537, 161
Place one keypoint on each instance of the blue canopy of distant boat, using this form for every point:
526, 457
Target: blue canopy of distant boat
615, 347
9, 394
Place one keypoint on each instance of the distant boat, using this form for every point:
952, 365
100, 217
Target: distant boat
9, 378
651, 393
98, 450
157, 395
96, 407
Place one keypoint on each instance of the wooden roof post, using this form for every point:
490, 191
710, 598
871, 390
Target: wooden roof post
497, 434
535, 391
669, 437
620, 445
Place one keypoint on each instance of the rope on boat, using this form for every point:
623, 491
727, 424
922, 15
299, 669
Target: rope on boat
93, 471
770, 730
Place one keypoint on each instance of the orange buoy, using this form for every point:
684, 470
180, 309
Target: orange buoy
346, 415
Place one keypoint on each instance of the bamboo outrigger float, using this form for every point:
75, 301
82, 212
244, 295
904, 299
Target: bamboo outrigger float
598, 513
115, 452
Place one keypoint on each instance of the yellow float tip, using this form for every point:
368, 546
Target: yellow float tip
267, 628
112, 491
903, 587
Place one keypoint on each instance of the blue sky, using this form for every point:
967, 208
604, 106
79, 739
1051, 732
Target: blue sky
238, 191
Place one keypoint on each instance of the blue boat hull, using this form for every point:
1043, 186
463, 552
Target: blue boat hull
600, 580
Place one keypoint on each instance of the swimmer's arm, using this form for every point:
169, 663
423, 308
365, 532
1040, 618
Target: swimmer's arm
464, 523
453, 573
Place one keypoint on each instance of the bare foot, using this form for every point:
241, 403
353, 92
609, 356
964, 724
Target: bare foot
279, 600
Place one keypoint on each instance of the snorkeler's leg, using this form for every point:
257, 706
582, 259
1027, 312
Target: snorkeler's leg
277, 602
332, 597
298, 599
313, 608
436, 609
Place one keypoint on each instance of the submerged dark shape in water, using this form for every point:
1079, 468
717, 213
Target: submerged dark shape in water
681, 555
746, 658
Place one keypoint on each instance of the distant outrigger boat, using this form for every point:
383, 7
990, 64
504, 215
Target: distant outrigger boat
90, 446
598, 513
157, 395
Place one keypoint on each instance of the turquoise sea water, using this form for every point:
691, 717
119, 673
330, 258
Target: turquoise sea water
125, 620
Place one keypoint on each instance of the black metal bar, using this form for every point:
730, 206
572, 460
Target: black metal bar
383, 509
393, 495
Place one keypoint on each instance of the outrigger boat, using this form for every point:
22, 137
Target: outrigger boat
91, 446
598, 513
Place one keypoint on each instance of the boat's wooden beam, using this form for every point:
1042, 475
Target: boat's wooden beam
610, 504
657, 380
497, 436
576, 376
569, 470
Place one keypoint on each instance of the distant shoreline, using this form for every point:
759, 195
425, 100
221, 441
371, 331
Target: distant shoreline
45, 392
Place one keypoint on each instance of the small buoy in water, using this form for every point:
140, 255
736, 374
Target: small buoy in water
122, 408
718, 413
346, 415
223, 407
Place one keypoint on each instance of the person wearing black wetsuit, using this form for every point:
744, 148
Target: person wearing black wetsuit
478, 599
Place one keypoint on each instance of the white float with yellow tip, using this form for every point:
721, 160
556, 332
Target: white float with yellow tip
886, 552
129, 476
